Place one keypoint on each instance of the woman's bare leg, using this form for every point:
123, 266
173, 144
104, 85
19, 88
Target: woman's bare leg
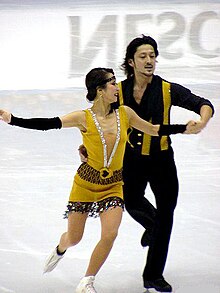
76, 225
110, 222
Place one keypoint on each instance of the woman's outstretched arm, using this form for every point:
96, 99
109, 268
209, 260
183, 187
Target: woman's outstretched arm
74, 119
151, 129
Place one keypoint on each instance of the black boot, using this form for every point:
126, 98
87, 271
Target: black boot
159, 285
146, 238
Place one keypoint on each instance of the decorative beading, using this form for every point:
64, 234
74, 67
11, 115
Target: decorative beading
106, 162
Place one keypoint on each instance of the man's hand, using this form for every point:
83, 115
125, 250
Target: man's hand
194, 127
83, 153
5, 116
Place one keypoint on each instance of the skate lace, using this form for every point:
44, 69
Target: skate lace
90, 288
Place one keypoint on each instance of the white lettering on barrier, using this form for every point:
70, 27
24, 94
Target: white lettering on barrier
40, 49
183, 38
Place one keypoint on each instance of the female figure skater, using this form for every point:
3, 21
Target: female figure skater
97, 186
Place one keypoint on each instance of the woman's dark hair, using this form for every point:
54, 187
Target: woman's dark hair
96, 78
132, 48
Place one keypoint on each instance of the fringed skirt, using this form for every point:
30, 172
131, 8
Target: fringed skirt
92, 194
94, 208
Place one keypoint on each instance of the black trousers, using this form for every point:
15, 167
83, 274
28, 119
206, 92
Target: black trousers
160, 172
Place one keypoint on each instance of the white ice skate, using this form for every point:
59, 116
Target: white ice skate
86, 285
52, 261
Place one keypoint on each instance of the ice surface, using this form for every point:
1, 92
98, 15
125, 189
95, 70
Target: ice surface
36, 172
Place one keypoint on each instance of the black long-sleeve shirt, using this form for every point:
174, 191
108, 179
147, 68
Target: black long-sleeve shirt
155, 107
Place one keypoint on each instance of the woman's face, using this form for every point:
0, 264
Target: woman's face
110, 92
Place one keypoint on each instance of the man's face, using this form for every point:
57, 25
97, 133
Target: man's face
144, 61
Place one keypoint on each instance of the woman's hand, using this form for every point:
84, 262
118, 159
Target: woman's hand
5, 116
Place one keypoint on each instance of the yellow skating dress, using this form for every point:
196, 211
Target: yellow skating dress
97, 184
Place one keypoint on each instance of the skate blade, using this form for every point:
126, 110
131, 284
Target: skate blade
152, 290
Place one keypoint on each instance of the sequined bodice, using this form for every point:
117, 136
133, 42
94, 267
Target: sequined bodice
106, 162
95, 143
